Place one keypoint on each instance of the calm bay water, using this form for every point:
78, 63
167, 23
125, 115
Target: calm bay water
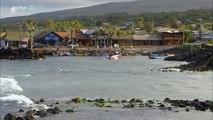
95, 77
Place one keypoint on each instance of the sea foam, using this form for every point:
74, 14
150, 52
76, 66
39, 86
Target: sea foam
9, 85
19, 99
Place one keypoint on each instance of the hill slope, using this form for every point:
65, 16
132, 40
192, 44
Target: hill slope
135, 7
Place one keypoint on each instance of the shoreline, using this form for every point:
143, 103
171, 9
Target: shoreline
74, 104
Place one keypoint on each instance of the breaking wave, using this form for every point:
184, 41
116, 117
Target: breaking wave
10, 92
18, 99
9, 86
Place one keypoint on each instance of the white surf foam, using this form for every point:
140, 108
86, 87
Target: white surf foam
9, 85
19, 99
27, 75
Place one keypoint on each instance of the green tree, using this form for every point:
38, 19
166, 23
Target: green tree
72, 27
148, 26
118, 33
131, 33
31, 27
173, 23
140, 23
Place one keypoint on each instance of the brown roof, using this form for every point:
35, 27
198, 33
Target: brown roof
63, 34
146, 37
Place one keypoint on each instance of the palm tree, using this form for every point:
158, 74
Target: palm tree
20, 24
71, 27
118, 33
131, 33
31, 26
50, 24
173, 23
148, 26
140, 23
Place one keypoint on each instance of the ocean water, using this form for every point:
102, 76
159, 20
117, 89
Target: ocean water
61, 78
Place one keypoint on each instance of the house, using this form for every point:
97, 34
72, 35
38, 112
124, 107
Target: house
203, 35
82, 37
147, 39
48, 38
170, 36
85, 37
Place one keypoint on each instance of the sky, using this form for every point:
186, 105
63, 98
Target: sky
11, 8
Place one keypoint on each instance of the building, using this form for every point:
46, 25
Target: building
170, 36
49, 38
147, 39
203, 36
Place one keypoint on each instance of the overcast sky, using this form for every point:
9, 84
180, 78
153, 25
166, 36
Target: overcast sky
11, 8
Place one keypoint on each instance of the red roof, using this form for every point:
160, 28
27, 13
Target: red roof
63, 34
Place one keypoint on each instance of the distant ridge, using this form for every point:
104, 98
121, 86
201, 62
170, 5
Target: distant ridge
135, 7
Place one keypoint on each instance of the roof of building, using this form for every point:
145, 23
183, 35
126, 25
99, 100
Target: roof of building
63, 34
139, 37
43, 33
167, 30
147, 37
90, 32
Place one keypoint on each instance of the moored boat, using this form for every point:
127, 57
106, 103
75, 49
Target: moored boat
115, 56
152, 56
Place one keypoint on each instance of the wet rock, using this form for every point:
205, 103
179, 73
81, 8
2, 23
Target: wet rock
187, 109
89, 100
76, 100
99, 104
150, 101
161, 106
109, 106
55, 110
130, 105
21, 110
100, 100
57, 103
10, 116
69, 111
41, 100
30, 114
148, 105
138, 100
20, 118
169, 108
124, 101
41, 113
181, 105
132, 100
116, 101
203, 108
167, 100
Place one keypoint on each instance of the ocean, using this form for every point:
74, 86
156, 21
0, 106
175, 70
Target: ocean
62, 78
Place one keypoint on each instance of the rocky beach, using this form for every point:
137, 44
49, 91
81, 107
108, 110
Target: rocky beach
74, 104
200, 59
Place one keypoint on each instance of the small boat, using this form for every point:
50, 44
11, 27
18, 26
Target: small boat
116, 56
152, 56
68, 54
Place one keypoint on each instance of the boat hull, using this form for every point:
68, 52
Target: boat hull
157, 57
114, 57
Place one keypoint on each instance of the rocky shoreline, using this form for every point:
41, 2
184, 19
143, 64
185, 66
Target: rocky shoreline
20, 54
55, 108
199, 60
